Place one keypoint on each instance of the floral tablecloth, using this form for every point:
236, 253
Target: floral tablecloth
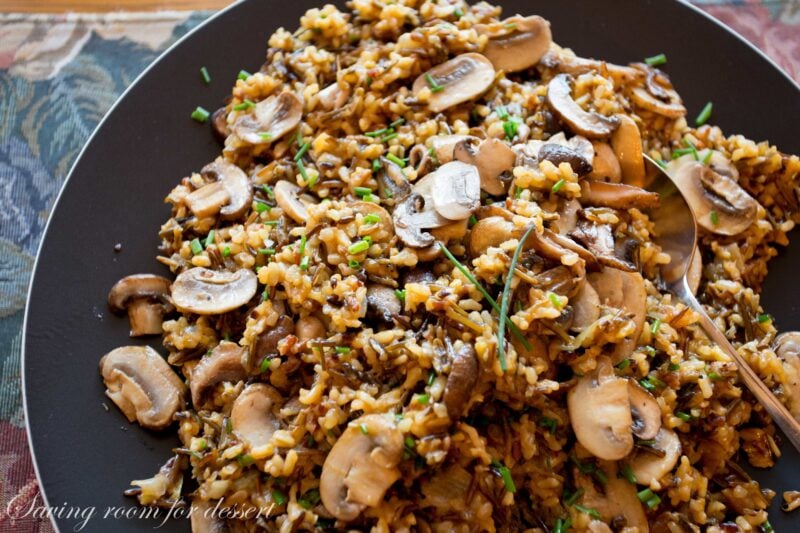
59, 74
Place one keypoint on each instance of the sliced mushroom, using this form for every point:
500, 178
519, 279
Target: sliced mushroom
266, 344
557, 154
444, 146
219, 124
461, 380
371, 208
361, 466
141, 383
670, 109
787, 347
288, 198
567, 217
599, 240
577, 151
622, 290
616, 195
586, 123
585, 308
490, 232
270, 119
492, 157
412, 217
605, 165
333, 97
309, 328
420, 160
627, 144
719, 204
600, 413
252, 419
618, 504
455, 189
224, 363
146, 299
208, 292
382, 303
462, 78
518, 44
229, 195
647, 466
574, 65
393, 182
694, 275
645, 411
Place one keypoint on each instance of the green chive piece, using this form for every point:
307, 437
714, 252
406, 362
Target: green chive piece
354, 264
264, 364
647, 384
686, 417
558, 185
767, 527
302, 248
661, 163
673, 367
562, 525
396, 160
401, 294
656, 326
245, 459
200, 114
265, 295
279, 497
549, 423
587, 510
501, 112
627, 473
310, 499
388, 138
573, 498
271, 222
371, 218
268, 191
210, 238
342, 349
262, 206
423, 399
650, 350
649, 498
243, 75
510, 26
409, 443
302, 169
300, 153
228, 425
714, 217
399, 122
472, 220
458, 13
510, 129
205, 75
514, 329
656, 60
378, 133
680, 152
505, 474
555, 299
358, 247
713, 376
431, 377
690, 145
705, 114
763, 317
376, 165
435, 87
362, 191
625, 363
267, 251
364, 429
247, 104
304, 263
708, 156
226, 252
197, 248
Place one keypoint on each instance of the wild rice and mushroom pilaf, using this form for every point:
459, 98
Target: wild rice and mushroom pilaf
339, 354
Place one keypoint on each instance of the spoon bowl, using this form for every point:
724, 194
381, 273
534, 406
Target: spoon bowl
676, 234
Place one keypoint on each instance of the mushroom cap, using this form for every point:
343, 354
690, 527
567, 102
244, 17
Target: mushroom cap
229, 194
627, 144
586, 123
519, 44
708, 191
645, 411
382, 303
492, 157
600, 413
622, 290
209, 292
672, 109
361, 466
287, 196
585, 307
462, 78
648, 467
137, 286
224, 363
277, 115
252, 418
461, 380
414, 215
455, 190
371, 208
204, 519
444, 146
616, 195
141, 383
605, 165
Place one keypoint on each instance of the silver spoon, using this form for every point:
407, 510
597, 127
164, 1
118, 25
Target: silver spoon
676, 228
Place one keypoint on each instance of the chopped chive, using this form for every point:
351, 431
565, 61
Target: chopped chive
409, 443
431, 377
510, 26
656, 60
196, 246
555, 299
510, 129
376, 165
690, 145
271, 222
678, 152
202, 444
714, 217
661, 163
647, 384
388, 193
354, 264
245, 459
302, 248
767, 527
399, 122
558, 185
226, 251
401, 294
627, 473
686, 417
600, 476
713, 376
650, 350
303, 149
763, 317
458, 13
265, 363
587, 510
549, 423
562, 525
362, 191
342, 349
279, 497
378, 133
371, 218
265, 295
304, 263
210, 238
396, 160
311, 498
423, 399
656, 326
358, 247
268, 191
267, 251
200, 114
435, 87
364, 429
501, 112
673, 367
573, 498
649, 498
228, 426
205, 75
518, 193
389, 137
505, 474
625, 363
708, 156
243, 75
247, 104
704, 115
514, 329
262, 206
472, 220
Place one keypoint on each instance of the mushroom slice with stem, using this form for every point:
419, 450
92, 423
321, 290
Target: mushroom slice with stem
517, 43
309, 328
626, 291
645, 411
586, 123
269, 119
229, 194
787, 347
461, 380
444, 146
673, 108
361, 466
605, 165
627, 144
649, 466
208, 292
146, 299
719, 204
412, 217
141, 383
492, 157
224, 363
252, 419
585, 308
616, 195
289, 199
600, 413
458, 80
570, 64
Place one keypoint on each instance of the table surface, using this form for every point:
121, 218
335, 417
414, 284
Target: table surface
60, 72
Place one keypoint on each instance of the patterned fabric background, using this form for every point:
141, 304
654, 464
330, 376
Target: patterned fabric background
58, 77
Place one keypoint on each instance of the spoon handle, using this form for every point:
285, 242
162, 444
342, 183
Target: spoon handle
782, 417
